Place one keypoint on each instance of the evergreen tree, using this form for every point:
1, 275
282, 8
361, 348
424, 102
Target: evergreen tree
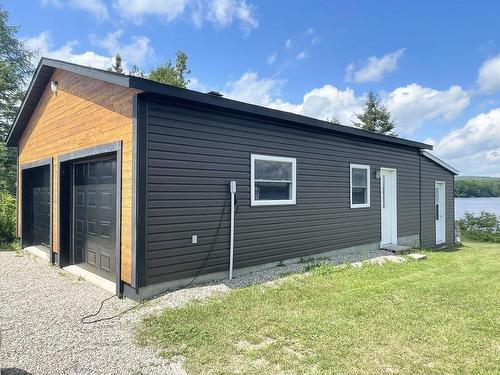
174, 75
15, 71
375, 117
117, 64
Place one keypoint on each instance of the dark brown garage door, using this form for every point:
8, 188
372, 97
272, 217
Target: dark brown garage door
94, 211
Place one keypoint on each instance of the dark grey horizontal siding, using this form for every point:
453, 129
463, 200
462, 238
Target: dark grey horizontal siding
194, 153
432, 172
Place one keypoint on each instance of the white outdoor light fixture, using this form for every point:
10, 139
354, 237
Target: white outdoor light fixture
53, 86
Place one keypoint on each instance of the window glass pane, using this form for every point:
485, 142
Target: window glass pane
359, 195
272, 170
265, 191
359, 177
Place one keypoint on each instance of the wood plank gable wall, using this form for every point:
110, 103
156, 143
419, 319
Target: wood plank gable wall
84, 113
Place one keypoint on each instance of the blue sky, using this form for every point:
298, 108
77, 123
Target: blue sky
435, 65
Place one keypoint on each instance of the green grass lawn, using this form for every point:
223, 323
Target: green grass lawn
438, 316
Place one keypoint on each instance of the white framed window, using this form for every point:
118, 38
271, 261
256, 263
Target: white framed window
360, 186
273, 180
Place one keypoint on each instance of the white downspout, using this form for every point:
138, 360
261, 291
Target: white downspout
232, 190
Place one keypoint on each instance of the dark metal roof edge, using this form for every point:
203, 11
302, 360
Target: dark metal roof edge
147, 85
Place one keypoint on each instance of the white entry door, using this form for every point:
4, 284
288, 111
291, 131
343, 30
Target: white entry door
440, 213
389, 206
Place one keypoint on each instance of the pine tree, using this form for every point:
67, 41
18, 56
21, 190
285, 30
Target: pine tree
375, 117
15, 71
117, 65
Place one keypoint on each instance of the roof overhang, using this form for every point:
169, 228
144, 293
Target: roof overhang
436, 160
46, 68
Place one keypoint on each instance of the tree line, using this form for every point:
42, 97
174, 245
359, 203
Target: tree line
477, 187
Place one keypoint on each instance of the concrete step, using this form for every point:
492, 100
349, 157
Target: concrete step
417, 256
381, 260
396, 249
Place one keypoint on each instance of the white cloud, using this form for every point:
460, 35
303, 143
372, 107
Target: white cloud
220, 13
96, 7
252, 89
489, 75
475, 148
309, 31
224, 12
325, 102
271, 59
136, 52
319, 103
413, 104
141, 8
302, 55
480, 133
288, 44
197, 85
374, 68
313, 37
43, 44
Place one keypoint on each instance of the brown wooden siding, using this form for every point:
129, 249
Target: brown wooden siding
85, 112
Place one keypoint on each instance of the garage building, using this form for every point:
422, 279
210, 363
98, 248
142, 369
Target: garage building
129, 180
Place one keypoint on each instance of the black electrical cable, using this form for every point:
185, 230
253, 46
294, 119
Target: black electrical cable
84, 319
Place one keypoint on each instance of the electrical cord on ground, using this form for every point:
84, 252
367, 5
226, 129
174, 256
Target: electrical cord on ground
84, 320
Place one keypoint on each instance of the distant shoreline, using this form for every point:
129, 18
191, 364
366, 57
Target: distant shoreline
477, 187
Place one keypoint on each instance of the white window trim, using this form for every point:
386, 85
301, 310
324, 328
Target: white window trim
367, 168
276, 202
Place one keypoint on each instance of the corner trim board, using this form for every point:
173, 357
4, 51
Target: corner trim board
140, 188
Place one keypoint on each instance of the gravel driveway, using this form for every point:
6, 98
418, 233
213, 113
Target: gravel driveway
40, 311
41, 307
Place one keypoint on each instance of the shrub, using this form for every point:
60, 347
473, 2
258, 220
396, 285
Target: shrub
7, 217
485, 227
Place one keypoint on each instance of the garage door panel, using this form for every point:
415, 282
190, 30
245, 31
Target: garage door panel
105, 262
106, 229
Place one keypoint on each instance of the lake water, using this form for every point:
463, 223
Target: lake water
476, 205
